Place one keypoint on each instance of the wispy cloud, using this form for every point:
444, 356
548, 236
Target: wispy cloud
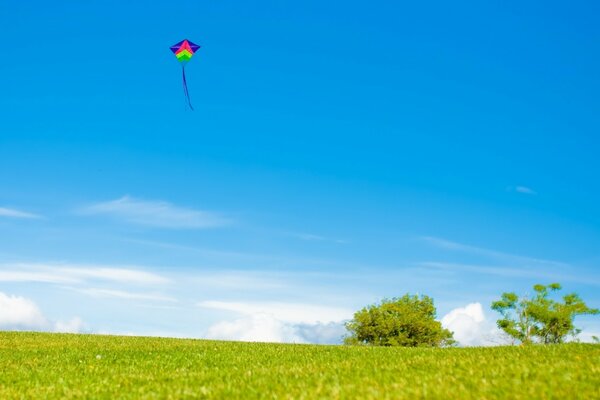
12, 213
537, 273
155, 213
77, 273
521, 189
480, 269
316, 238
18, 275
121, 294
455, 246
125, 275
247, 280
525, 190
220, 254
504, 264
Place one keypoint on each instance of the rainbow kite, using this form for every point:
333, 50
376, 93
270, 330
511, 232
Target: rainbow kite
184, 51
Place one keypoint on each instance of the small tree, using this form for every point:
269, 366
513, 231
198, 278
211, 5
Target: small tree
516, 322
540, 319
406, 321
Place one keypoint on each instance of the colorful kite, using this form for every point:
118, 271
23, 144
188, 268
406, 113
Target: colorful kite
184, 51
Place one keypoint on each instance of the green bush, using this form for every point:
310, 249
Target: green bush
408, 321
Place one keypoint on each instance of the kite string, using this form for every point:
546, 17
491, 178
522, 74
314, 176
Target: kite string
185, 88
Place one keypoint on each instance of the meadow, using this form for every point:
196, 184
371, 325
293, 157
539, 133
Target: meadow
52, 366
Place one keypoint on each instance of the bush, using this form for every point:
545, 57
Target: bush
407, 321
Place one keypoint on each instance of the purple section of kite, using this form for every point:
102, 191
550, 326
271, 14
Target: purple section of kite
176, 46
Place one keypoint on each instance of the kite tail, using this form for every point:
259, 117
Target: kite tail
185, 89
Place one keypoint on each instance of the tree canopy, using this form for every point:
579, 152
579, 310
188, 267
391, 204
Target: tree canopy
406, 321
540, 319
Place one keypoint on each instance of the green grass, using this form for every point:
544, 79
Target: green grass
37, 365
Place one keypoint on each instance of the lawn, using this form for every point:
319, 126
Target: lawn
42, 365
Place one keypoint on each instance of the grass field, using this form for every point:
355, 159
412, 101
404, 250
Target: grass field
38, 365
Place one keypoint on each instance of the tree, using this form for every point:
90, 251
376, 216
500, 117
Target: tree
516, 322
406, 321
540, 319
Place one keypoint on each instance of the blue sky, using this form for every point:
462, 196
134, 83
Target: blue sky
338, 153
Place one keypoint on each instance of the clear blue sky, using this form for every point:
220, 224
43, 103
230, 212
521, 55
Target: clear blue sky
338, 153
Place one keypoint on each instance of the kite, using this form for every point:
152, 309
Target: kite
184, 51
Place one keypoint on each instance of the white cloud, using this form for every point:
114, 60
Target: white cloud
20, 313
76, 273
12, 213
525, 190
261, 327
255, 328
470, 326
156, 214
35, 276
278, 322
287, 312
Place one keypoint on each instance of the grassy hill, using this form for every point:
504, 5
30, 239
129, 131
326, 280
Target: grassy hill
38, 365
